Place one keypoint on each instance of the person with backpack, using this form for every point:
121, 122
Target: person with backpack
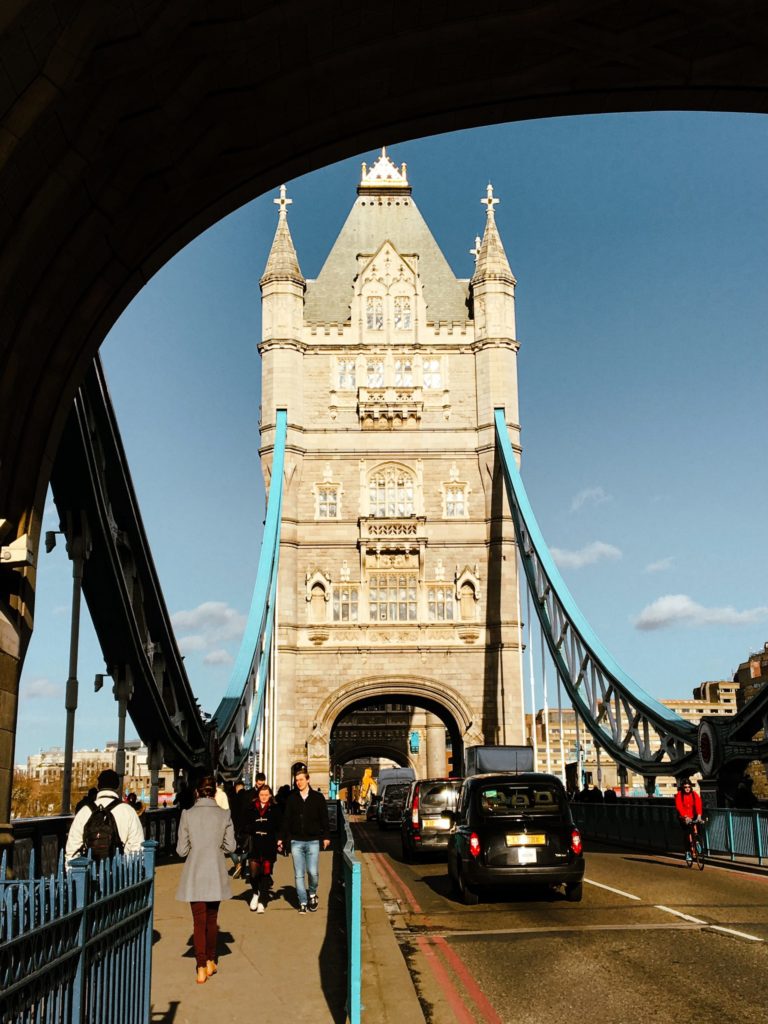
104, 825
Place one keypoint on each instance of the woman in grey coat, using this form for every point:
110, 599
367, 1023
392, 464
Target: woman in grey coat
205, 835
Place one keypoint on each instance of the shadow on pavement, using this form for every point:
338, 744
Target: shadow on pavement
333, 953
164, 1016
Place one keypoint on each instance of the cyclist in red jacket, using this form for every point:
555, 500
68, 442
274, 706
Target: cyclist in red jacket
688, 807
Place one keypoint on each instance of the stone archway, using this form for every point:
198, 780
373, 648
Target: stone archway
447, 703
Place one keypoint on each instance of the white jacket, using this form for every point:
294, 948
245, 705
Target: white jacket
128, 825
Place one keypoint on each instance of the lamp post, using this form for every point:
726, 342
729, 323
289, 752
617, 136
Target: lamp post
78, 549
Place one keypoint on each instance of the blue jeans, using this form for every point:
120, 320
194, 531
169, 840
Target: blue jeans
306, 854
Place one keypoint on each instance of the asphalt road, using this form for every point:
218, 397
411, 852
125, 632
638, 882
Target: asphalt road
652, 942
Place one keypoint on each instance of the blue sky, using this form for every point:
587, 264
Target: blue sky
640, 246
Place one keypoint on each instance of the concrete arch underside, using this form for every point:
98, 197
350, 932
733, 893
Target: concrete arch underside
364, 750
129, 129
426, 693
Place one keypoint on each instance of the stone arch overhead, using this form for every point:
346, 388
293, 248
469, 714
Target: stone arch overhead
374, 750
412, 689
126, 133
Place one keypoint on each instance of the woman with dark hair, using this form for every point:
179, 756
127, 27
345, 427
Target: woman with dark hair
205, 835
261, 824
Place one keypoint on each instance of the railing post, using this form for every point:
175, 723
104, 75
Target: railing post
355, 941
729, 832
79, 869
758, 837
149, 852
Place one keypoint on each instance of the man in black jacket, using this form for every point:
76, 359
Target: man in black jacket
305, 826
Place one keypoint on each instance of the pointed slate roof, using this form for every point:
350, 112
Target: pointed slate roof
492, 260
384, 211
282, 262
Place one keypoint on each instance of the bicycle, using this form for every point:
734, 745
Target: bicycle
694, 843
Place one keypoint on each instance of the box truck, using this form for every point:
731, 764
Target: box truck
505, 758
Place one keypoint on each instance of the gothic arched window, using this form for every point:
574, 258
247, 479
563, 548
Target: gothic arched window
391, 493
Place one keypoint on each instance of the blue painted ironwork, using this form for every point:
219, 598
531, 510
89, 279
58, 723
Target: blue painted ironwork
238, 716
38, 842
353, 893
76, 946
650, 824
635, 729
91, 476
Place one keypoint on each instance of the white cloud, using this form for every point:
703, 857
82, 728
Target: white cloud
597, 551
192, 642
679, 609
660, 566
215, 621
589, 496
211, 626
218, 657
41, 689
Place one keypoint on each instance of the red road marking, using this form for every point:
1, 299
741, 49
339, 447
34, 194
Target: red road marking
442, 977
475, 992
409, 897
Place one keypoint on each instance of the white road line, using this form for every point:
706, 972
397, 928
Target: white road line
619, 892
732, 931
677, 913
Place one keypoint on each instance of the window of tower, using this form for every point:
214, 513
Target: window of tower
345, 604
440, 602
431, 374
391, 494
455, 502
375, 373
347, 374
403, 373
392, 597
402, 313
374, 313
328, 502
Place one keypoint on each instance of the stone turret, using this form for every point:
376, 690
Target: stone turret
492, 290
282, 308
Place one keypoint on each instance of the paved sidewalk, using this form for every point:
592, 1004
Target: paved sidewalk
276, 966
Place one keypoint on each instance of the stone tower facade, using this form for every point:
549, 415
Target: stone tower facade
398, 571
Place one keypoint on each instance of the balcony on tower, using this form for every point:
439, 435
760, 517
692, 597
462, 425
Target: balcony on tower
389, 407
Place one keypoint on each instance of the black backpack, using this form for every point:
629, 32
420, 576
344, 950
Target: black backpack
100, 834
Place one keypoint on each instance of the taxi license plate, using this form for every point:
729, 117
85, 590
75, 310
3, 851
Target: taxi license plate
518, 839
438, 823
526, 855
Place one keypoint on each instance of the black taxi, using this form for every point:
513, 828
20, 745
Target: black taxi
514, 829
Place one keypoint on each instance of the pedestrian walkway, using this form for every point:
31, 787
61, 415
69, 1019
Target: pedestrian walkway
276, 966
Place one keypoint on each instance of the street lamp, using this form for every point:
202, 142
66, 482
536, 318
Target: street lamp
78, 549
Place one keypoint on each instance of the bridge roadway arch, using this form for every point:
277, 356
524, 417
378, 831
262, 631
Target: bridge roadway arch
422, 692
127, 130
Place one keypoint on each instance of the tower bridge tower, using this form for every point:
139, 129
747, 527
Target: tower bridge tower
398, 571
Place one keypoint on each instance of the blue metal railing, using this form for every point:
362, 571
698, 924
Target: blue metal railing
76, 947
729, 833
354, 904
38, 842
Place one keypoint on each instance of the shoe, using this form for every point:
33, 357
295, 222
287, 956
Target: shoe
313, 903
202, 976
254, 904
260, 908
303, 908
211, 968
